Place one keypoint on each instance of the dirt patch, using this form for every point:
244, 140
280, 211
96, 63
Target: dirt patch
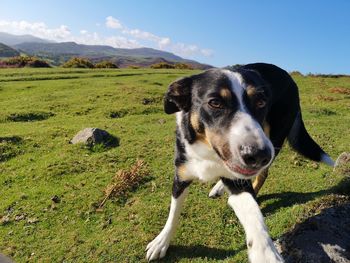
326, 98
154, 100
116, 114
325, 112
323, 237
340, 90
29, 116
9, 147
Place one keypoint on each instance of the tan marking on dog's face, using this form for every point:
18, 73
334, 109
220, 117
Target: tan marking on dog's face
220, 143
251, 90
200, 135
195, 121
267, 129
225, 93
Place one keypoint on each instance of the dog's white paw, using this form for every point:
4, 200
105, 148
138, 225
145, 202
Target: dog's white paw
218, 190
158, 247
266, 253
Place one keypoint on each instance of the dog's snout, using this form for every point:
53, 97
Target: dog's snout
254, 157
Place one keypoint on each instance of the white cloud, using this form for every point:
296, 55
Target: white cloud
114, 41
63, 33
111, 22
127, 38
38, 29
163, 43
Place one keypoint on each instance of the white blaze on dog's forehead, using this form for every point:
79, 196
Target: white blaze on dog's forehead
237, 85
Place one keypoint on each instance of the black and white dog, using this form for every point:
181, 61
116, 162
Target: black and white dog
230, 127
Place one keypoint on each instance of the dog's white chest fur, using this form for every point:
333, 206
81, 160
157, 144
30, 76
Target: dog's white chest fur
203, 163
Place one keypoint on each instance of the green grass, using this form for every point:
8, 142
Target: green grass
42, 109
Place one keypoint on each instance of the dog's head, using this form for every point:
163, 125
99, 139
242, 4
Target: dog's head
227, 111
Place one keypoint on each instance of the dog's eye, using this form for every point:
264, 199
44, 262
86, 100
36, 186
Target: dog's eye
215, 103
260, 103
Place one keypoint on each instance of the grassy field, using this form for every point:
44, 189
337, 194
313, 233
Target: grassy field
49, 189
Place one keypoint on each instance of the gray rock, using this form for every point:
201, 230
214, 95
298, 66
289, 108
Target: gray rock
4, 259
92, 136
342, 164
322, 238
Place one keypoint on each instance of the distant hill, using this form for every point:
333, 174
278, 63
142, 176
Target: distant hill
10, 39
123, 57
58, 53
73, 48
6, 51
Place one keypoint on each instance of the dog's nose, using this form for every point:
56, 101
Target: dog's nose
254, 157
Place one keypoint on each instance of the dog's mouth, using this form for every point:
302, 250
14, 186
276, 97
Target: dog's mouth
241, 170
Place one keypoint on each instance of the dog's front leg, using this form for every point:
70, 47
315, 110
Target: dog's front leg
260, 246
158, 247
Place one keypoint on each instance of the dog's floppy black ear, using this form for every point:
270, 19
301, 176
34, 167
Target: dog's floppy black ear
178, 96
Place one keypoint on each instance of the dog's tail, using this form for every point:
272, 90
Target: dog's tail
302, 142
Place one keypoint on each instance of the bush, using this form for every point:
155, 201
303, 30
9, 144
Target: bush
25, 61
296, 73
77, 62
37, 63
183, 66
133, 67
105, 64
162, 65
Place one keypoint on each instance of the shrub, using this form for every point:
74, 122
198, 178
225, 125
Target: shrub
37, 63
105, 64
19, 61
183, 66
162, 65
296, 73
77, 62
25, 61
133, 67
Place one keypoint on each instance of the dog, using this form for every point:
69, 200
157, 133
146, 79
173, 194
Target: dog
231, 124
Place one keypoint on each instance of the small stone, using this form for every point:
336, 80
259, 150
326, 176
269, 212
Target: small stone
20, 217
92, 136
147, 101
55, 199
32, 220
342, 164
5, 220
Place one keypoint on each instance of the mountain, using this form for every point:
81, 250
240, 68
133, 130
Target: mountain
123, 57
10, 39
6, 51
58, 53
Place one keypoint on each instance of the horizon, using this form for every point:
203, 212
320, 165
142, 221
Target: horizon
307, 37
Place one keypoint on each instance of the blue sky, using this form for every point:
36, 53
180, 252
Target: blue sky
309, 36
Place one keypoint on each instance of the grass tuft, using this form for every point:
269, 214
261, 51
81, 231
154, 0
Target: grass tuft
125, 181
340, 90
